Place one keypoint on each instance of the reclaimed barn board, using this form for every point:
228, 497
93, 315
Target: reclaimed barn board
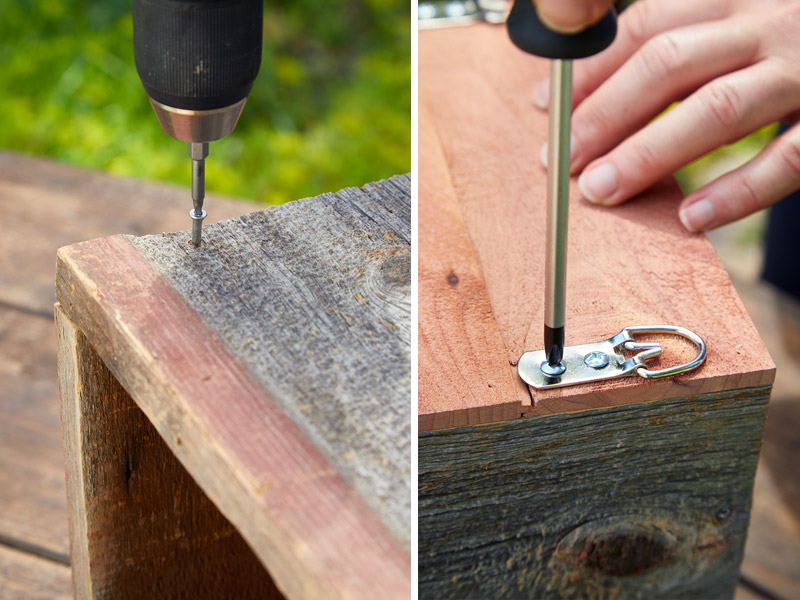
322, 283
642, 501
132, 501
194, 336
626, 489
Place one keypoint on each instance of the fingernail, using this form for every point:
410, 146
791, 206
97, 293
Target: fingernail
554, 24
599, 183
573, 150
698, 215
541, 95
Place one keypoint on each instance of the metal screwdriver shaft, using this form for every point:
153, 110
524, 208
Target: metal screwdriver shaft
531, 35
557, 212
198, 153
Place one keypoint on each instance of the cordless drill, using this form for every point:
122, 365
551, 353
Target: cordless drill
197, 60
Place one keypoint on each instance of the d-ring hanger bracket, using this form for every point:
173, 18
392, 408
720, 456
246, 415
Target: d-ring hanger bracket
604, 360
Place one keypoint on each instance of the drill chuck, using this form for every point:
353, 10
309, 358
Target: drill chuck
197, 60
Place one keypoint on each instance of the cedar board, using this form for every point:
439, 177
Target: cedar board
480, 139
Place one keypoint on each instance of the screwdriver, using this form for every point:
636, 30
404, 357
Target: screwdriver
529, 34
197, 60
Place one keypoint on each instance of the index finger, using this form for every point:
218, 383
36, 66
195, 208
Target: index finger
639, 23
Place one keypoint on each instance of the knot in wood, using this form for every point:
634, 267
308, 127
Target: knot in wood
396, 269
640, 548
624, 554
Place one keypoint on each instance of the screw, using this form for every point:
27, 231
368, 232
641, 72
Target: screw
596, 359
723, 514
553, 370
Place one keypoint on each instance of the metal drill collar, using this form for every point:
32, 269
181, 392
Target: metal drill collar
197, 126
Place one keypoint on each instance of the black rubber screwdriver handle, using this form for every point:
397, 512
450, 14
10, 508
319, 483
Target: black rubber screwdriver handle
528, 33
197, 54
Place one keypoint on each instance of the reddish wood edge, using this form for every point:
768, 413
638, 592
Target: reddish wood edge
311, 530
461, 353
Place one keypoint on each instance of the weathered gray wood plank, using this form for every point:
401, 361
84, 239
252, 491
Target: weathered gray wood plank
643, 501
314, 298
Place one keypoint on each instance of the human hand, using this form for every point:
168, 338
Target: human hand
735, 64
571, 16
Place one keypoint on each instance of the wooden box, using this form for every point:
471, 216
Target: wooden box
237, 417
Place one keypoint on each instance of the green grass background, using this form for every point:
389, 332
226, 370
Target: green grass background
329, 109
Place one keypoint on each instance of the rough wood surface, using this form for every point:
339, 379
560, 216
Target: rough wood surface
24, 576
314, 532
140, 526
643, 501
314, 298
627, 265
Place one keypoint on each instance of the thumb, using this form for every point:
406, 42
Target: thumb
571, 16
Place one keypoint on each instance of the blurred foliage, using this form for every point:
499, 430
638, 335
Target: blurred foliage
330, 108
706, 168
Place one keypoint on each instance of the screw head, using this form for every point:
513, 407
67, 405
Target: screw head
596, 359
723, 514
553, 370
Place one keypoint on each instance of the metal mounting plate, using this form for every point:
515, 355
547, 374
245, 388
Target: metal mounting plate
578, 371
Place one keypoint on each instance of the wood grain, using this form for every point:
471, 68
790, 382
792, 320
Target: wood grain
322, 283
642, 501
27, 577
140, 526
314, 533
628, 265
461, 356
32, 493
